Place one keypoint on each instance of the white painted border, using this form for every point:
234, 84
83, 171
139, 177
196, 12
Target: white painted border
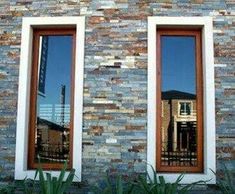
24, 92
209, 95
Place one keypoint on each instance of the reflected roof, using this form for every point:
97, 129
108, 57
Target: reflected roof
175, 94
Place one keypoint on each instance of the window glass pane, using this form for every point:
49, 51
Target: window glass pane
178, 92
53, 99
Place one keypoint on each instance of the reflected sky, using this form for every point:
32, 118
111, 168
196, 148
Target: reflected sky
178, 63
58, 71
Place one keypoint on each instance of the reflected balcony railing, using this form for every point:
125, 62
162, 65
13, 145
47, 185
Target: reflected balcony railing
176, 157
53, 152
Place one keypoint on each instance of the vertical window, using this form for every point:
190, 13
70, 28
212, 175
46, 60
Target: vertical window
50, 95
51, 98
179, 67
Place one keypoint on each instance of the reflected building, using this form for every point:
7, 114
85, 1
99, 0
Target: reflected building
179, 125
52, 141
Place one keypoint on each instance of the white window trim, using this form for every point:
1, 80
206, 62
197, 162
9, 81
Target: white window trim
208, 91
24, 92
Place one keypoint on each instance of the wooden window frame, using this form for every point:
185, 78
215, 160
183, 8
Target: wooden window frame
205, 23
33, 96
24, 88
199, 99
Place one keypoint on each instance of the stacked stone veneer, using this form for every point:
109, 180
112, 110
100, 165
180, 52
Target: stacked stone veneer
115, 80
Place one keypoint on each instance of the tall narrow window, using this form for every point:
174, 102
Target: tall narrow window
179, 88
51, 99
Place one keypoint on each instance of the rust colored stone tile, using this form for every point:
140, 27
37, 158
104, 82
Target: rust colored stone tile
111, 11
116, 160
167, 6
96, 20
138, 148
140, 110
2, 76
16, 14
131, 127
96, 130
105, 117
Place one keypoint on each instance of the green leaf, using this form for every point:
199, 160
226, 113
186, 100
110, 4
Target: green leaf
67, 183
119, 186
42, 181
225, 184
61, 177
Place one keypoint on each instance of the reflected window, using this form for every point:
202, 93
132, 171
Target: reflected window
185, 108
51, 124
179, 89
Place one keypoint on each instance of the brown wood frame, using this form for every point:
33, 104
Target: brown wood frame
199, 99
33, 96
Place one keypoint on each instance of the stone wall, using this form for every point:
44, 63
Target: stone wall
115, 87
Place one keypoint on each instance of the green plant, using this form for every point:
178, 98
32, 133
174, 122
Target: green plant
114, 186
158, 185
226, 184
29, 186
53, 185
7, 189
48, 184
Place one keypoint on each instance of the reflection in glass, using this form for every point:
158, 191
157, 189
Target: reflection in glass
53, 99
178, 89
185, 108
